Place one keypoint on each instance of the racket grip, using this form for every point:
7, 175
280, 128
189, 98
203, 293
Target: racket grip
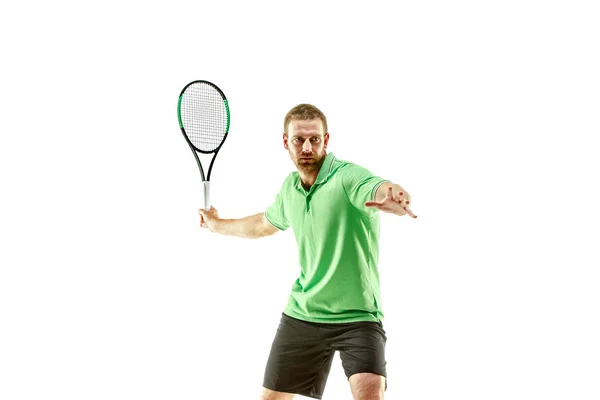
206, 195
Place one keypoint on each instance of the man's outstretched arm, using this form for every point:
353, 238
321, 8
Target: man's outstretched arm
252, 227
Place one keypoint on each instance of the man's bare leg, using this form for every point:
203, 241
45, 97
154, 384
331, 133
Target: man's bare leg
269, 394
367, 386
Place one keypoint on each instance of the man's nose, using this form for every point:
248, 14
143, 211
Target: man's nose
306, 147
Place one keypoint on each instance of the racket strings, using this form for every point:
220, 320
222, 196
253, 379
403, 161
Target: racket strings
204, 116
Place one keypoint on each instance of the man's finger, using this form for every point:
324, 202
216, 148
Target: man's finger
409, 212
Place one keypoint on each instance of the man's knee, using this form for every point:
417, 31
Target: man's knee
367, 386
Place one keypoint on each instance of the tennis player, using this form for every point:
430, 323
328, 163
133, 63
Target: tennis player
333, 208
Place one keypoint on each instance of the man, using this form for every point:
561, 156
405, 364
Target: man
332, 207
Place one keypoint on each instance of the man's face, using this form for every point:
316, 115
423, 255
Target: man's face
306, 143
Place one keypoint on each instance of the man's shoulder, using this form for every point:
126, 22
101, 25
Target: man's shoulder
349, 168
289, 180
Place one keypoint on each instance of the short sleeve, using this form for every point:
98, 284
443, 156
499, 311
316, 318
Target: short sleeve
361, 185
275, 213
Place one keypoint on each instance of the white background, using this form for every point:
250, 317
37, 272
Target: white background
484, 111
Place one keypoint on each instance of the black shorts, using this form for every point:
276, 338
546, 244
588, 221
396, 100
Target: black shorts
302, 353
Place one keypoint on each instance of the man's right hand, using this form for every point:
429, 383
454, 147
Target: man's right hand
209, 218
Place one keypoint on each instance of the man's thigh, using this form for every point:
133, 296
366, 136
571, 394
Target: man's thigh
300, 359
362, 348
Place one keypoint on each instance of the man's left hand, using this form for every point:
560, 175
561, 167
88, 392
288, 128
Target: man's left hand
392, 203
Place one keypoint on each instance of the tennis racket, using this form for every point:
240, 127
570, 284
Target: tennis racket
203, 113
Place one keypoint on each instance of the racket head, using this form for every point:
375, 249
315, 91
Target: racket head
203, 113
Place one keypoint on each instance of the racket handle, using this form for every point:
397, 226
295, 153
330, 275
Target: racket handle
206, 195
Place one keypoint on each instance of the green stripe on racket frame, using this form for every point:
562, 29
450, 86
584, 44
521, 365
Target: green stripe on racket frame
204, 118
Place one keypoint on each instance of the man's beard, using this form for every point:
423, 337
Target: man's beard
311, 165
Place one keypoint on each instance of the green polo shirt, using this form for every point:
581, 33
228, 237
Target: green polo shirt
338, 243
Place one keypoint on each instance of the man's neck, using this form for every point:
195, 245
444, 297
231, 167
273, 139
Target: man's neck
308, 180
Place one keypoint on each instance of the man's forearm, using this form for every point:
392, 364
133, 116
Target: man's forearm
247, 227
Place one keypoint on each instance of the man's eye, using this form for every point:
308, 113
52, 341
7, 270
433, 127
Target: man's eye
316, 139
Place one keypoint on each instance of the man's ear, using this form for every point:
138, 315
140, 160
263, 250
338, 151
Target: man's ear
285, 141
326, 140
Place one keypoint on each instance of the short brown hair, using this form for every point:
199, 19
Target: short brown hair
304, 112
